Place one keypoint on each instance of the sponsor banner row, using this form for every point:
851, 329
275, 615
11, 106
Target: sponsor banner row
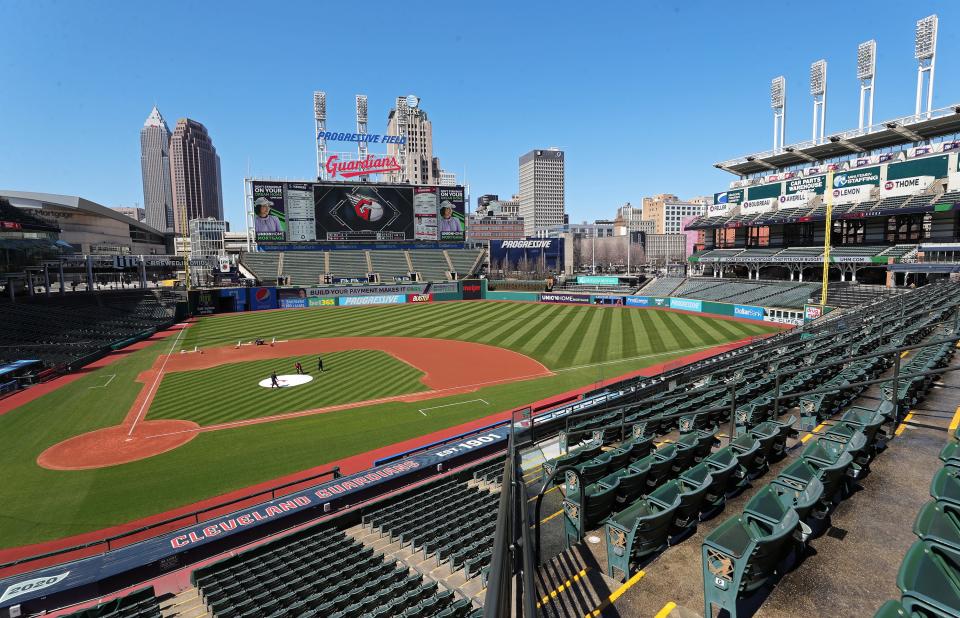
580, 299
594, 280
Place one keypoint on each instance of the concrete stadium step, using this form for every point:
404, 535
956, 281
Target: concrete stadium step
186, 604
572, 584
418, 562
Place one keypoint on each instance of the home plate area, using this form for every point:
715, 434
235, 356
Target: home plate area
286, 381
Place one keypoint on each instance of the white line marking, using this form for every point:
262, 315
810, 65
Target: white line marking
107, 383
156, 381
447, 405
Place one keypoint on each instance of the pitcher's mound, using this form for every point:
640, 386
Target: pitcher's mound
112, 446
285, 381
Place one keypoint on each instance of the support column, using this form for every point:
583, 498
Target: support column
30, 284
90, 285
10, 291
853, 273
46, 279
791, 274
62, 282
801, 274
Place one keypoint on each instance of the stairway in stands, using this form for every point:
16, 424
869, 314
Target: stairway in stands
572, 585
186, 604
472, 588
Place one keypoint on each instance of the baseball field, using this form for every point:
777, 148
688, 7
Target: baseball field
192, 415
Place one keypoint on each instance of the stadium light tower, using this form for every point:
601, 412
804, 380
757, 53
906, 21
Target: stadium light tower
925, 51
866, 73
818, 88
362, 128
778, 103
320, 125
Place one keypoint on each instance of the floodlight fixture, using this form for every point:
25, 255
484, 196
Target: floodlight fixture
818, 78
867, 59
925, 45
778, 89
361, 107
320, 105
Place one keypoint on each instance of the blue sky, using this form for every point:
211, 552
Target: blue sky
643, 97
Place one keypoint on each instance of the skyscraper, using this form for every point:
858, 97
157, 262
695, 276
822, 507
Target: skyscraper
415, 155
195, 171
541, 189
155, 171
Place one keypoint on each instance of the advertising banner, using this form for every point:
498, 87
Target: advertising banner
812, 312
579, 299
419, 298
814, 184
859, 177
731, 198
547, 253
592, 280
472, 289
905, 186
314, 301
795, 200
638, 301
746, 311
384, 299
752, 207
425, 207
608, 300
269, 214
452, 214
363, 212
718, 210
686, 304
347, 290
852, 195
293, 303
262, 298
301, 221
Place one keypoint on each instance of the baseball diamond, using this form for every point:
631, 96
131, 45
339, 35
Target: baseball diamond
192, 425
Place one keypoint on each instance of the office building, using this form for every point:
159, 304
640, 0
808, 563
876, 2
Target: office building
155, 172
542, 203
415, 155
483, 200
134, 212
667, 212
195, 172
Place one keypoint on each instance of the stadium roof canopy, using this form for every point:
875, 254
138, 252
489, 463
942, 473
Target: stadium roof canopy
896, 132
36, 201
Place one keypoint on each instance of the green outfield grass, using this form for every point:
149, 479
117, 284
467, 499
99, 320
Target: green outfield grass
582, 345
195, 396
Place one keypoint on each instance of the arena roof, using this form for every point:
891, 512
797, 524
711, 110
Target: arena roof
36, 201
896, 132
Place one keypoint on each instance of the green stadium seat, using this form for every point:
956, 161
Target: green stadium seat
727, 475
743, 553
637, 532
929, 580
892, 609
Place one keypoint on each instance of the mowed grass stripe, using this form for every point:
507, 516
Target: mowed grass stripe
546, 340
604, 342
650, 328
631, 344
231, 392
587, 336
569, 340
494, 335
525, 331
729, 330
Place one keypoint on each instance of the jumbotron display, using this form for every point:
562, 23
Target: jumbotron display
286, 212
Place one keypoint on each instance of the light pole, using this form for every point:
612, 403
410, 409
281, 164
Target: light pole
818, 88
925, 51
867, 73
778, 103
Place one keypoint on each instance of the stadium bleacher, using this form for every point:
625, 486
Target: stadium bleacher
432, 265
661, 286
264, 265
390, 264
140, 604
64, 329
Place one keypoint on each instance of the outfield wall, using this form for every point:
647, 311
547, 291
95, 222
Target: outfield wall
228, 300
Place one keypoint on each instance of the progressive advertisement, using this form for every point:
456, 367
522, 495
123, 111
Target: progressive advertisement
269, 214
685, 304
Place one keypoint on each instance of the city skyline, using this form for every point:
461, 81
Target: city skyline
622, 119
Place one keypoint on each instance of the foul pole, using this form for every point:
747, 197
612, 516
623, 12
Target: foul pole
828, 194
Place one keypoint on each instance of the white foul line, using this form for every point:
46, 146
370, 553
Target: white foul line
156, 381
107, 383
447, 405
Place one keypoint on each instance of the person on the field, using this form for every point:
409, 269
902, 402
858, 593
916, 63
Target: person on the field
299, 368
274, 382
320, 363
